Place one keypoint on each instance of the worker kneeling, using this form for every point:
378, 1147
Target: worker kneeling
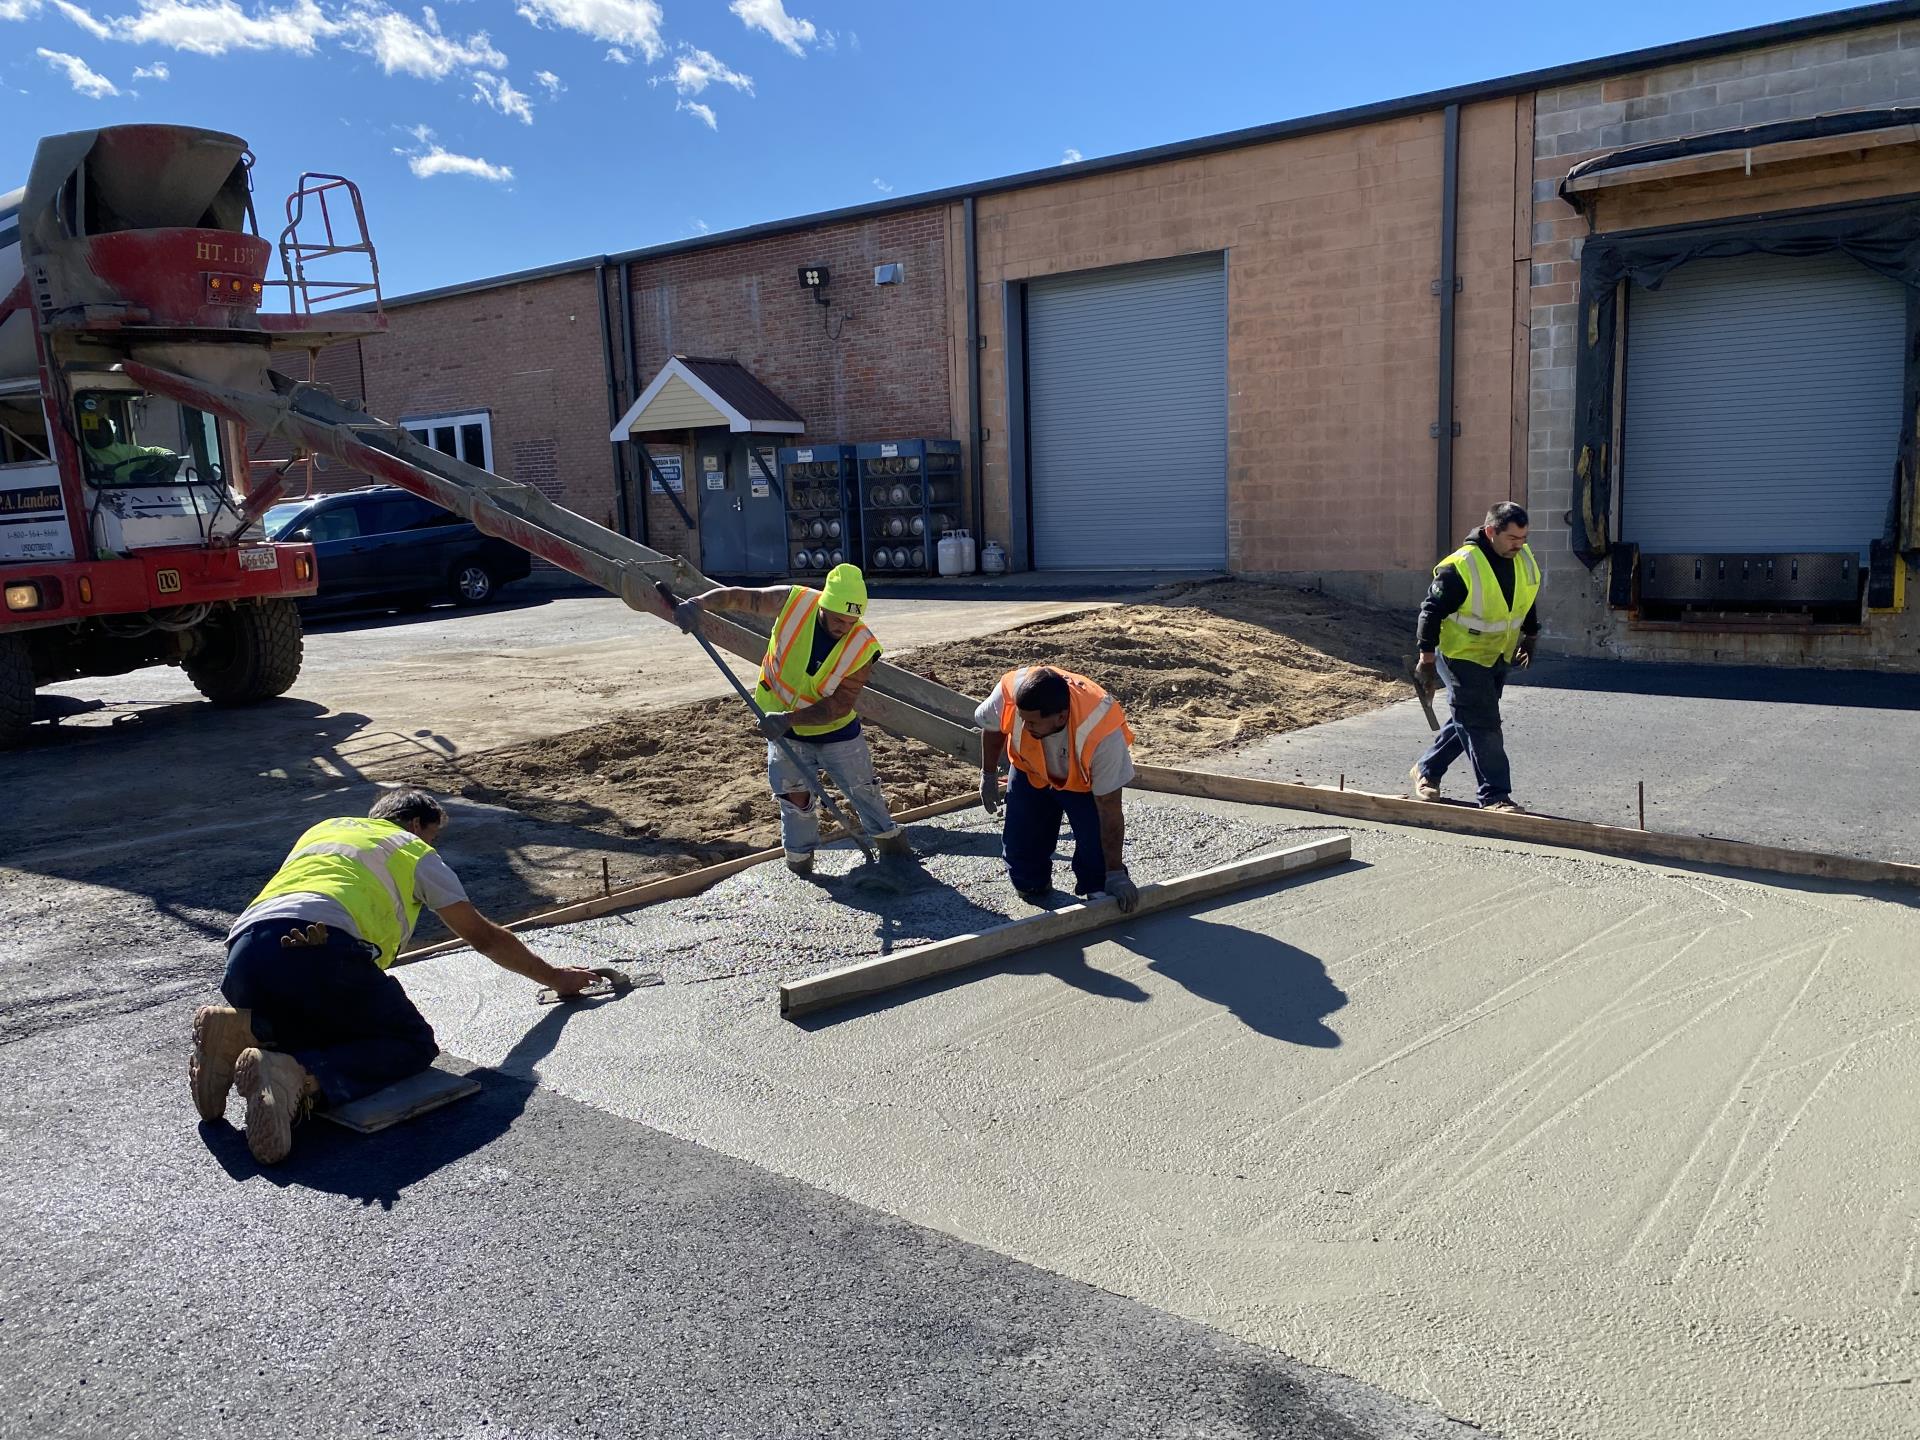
1068, 743
819, 658
311, 1011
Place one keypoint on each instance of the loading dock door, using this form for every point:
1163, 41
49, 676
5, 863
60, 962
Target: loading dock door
1127, 417
1762, 407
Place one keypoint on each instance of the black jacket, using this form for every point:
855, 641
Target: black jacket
1449, 592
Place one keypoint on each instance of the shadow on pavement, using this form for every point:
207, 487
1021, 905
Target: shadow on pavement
376, 1169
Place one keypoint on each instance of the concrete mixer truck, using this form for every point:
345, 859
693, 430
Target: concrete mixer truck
129, 520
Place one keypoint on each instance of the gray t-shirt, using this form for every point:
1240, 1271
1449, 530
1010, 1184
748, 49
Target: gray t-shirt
435, 886
1112, 767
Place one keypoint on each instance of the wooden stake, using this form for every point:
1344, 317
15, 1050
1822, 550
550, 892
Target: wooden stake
903, 967
606, 877
1643, 804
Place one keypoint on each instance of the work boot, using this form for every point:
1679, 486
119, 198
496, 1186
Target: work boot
800, 864
1035, 897
893, 844
220, 1033
1423, 788
279, 1093
1505, 807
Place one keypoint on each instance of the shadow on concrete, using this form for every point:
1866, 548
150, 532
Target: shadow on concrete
1781, 685
389, 614
1273, 988
376, 1169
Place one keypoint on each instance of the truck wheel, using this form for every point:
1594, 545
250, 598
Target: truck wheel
249, 653
16, 690
473, 583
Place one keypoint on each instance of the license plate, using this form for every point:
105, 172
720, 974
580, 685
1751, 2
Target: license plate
259, 558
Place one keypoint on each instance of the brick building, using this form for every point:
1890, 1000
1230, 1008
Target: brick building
1660, 298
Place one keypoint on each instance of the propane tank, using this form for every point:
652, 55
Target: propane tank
833, 529
817, 530
916, 526
880, 557
993, 558
969, 555
800, 558
917, 557
837, 557
877, 496
950, 553
897, 495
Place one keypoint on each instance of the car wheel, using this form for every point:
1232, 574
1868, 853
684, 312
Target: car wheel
472, 583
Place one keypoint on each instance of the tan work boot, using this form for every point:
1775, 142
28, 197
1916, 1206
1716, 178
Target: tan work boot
893, 844
800, 864
1423, 788
279, 1093
1505, 807
220, 1033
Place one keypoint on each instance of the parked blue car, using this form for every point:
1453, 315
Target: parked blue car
383, 546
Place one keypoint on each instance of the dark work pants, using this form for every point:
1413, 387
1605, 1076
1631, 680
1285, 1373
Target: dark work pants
329, 1006
1032, 833
1474, 691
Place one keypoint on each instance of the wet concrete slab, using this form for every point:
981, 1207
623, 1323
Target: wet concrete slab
1563, 1145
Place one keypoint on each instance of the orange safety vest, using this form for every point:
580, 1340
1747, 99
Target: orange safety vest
1092, 715
786, 683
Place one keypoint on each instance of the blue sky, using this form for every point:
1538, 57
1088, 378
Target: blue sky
492, 135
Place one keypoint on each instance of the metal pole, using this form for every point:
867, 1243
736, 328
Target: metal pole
613, 399
974, 463
1449, 279
631, 345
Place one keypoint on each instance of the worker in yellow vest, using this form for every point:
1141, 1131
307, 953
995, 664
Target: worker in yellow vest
819, 657
1476, 623
311, 1013
1068, 744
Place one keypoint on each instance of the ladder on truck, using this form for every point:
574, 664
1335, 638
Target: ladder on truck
309, 418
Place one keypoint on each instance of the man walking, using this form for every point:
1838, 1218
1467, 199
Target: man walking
311, 1012
1067, 742
1477, 621
819, 657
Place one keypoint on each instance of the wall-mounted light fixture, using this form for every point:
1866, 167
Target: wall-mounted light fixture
815, 278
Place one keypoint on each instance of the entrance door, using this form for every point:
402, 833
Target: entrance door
742, 519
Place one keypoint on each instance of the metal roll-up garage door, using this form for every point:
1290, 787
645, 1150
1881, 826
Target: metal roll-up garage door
1763, 398
1127, 417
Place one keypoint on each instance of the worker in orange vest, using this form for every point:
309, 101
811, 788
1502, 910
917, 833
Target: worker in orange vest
1068, 744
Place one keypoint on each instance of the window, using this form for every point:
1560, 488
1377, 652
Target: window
336, 522
130, 438
394, 513
465, 437
23, 430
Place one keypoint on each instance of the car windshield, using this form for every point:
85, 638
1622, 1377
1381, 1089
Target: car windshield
279, 519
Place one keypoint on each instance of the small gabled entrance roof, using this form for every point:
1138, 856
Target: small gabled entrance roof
691, 393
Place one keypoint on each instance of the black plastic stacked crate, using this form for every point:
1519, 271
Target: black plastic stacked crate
909, 495
823, 512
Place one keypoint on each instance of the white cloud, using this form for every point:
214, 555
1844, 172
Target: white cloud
496, 92
703, 112
882, 186
84, 79
213, 27
440, 161
771, 16
634, 23
700, 227
99, 29
156, 71
1071, 157
694, 70
614, 53
403, 45
19, 10
551, 82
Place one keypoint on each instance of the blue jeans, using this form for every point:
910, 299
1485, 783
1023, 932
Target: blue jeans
849, 766
1474, 729
1032, 833
329, 1006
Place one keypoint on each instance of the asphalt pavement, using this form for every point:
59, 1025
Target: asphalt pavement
523, 1265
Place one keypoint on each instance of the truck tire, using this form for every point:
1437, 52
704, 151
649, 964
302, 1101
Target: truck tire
16, 690
251, 652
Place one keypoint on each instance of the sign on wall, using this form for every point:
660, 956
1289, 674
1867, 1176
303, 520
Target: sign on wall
667, 467
716, 478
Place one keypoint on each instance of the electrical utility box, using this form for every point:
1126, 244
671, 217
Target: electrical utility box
823, 509
909, 494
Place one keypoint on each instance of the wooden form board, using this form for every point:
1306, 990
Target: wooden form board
673, 887
1534, 829
904, 967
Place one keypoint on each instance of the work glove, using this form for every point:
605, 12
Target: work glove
774, 724
1523, 657
1428, 672
1121, 887
686, 615
990, 792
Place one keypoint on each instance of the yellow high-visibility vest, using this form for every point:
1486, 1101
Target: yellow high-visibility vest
364, 866
785, 681
1486, 629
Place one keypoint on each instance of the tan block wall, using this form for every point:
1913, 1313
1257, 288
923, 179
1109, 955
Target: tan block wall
1871, 68
1332, 243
